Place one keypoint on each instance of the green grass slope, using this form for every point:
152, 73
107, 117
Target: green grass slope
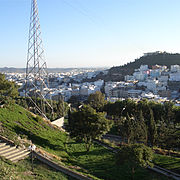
23, 170
168, 162
16, 121
98, 163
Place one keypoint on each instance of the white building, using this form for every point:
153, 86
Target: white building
129, 78
175, 68
152, 53
99, 83
174, 76
75, 92
134, 93
140, 76
109, 86
143, 68
163, 78
151, 85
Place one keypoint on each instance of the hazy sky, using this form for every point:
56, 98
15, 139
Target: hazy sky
88, 33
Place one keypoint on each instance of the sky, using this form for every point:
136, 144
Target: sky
90, 33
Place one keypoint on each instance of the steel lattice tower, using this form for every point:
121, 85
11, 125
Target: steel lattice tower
36, 69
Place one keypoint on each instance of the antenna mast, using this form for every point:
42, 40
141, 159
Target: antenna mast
36, 87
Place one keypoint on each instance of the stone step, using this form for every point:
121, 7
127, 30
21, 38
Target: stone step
16, 153
4, 147
2, 144
9, 151
12, 152
19, 156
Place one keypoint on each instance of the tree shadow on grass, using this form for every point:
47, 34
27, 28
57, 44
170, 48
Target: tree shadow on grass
172, 166
68, 143
96, 152
36, 139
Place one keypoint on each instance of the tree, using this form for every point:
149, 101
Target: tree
130, 106
8, 91
162, 131
141, 129
130, 128
86, 124
7, 88
74, 101
97, 100
158, 110
62, 108
168, 136
134, 156
176, 110
115, 110
144, 106
169, 114
152, 129
126, 128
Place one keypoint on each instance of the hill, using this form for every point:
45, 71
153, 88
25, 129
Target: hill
50, 70
117, 73
20, 125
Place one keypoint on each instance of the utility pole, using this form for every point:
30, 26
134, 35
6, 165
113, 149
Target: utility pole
37, 79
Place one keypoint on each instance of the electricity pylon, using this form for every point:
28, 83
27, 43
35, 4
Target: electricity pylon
36, 87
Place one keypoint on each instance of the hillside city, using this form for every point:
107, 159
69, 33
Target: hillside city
159, 83
112, 118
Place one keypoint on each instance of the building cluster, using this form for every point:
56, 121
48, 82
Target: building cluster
156, 83
159, 82
66, 84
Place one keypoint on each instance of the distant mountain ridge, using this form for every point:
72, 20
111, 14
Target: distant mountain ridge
50, 70
117, 73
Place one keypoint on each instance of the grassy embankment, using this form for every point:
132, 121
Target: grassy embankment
168, 162
99, 162
23, 170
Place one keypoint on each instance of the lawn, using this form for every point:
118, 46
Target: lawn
167, 162
102, 163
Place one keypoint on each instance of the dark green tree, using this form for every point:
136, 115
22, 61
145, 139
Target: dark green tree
176, 110
169, 114
74, 101
162, 132
143, 106
97, 100
168, 136
7, 88
62, 108
130, 128
158, 110
135, 155
126, 128
130, 107
141, 129
8, 91
86, 124
152, 129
